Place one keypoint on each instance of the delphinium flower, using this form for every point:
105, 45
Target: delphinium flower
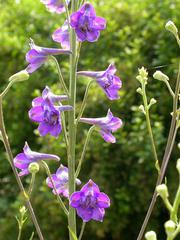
107, 80
55, 5
24, 159
106, 125
86, 24
60, 180
90, 202
48, 115
61, 35
38, 55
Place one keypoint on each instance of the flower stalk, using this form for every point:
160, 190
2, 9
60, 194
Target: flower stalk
10, 158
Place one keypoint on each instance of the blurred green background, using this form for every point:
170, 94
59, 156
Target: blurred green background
135, 36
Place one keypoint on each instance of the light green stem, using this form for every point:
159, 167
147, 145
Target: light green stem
19, 233
82, 230
64, 131
84, 101
31, 185
177, 231
72, 126
7, 89
168, 205
61, 79
10, 158
84, 150
54, 188
176, 205
170, 89
150, 128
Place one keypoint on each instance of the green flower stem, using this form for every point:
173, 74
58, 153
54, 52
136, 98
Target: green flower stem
54, 188
167, 154
19, 233
10, 157
82, 230
146, 108
64, 131
168, 205
67, 12
84, 101
7, 89
31, 185
61, 79
170, 89
176, 205
84, 150
72, 125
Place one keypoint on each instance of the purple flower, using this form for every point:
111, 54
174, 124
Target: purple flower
107, 80
106, 125
61, 35
38, 55
86, 24
90, 202
55, 5
22, 160
60, 180
47, 114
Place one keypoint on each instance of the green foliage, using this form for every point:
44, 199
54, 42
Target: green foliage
135, 36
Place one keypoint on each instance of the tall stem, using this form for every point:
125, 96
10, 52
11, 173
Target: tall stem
10, 158
72, 126
167, 154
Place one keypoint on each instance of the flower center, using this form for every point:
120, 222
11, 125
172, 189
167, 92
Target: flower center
50, 117
108, 81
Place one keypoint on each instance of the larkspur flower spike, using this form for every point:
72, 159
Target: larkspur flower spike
38, 55
106, 125
89, 202
24, 159
86, 24
60, 180
61, 35
107, 80
56, 6
47, 114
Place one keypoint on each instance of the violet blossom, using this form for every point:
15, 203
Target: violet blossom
106, 125
48, 115
38, 55
24, 159
61, 35
60, 180
90, 202
55, 5
107, 80
86, 24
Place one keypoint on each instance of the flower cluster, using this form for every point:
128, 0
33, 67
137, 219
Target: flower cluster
47, 110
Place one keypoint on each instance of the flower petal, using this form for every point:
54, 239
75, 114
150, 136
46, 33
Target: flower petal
98, 214
36, 114
103, 200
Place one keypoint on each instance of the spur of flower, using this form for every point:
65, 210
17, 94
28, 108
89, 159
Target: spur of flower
55, 5
61, 35
105, 125
47, 114
107, 80
37, 55
86, 24
24, 159
60, 180
89, 202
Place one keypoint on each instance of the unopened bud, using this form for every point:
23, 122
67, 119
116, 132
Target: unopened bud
158, 75
22, 210
178, 165
170, 227
143, 75
33, 167
20, 76
141, 108
139, 90
152, 101
162, 190
170, 26
151, 235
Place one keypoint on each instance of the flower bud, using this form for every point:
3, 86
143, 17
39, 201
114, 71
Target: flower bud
162, 190
139, 90
151, 235
170, 26
141, 108
143, 75
170, 227
22, 210
178, 165
158, 75
20, 76
33, 167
